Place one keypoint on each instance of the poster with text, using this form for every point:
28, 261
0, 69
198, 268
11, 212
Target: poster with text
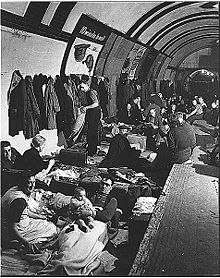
82, 57
88, 39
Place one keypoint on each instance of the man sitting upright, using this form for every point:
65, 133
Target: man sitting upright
10, 157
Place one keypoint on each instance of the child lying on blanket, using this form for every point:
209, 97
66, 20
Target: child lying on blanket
80, 203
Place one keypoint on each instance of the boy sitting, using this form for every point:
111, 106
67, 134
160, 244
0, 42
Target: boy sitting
80, 203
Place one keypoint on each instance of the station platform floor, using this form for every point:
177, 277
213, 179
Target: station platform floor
182, 238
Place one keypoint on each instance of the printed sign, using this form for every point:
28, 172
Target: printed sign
133, 60
90, 29
82, 57
90, 36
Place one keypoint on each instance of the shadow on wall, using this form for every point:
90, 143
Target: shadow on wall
206, 170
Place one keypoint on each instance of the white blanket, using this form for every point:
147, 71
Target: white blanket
79, 251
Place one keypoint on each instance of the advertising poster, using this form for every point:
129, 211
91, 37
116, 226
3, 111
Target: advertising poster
83, 56
89, 37
133, 59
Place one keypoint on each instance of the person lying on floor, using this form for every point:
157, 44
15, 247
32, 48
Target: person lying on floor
17, 224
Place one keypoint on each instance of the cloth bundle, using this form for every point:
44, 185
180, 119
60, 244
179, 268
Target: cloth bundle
144, 205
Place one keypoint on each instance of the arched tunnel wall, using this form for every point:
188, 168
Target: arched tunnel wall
33, 54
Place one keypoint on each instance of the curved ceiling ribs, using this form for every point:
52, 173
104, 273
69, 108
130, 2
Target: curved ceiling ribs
145, 16
187, 33
173, 33
35, 11
169, 27
202, 37
158, 16
191, 51
61, 14
179, 22
190, 19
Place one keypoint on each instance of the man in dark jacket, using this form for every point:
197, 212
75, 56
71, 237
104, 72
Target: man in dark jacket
120, 153
181, 139
10, 158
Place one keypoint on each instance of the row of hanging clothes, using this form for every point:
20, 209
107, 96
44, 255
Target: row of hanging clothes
43, 102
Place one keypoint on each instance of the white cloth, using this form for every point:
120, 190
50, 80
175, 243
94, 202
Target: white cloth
144, 205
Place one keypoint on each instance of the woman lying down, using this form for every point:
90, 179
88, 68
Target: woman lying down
26, 218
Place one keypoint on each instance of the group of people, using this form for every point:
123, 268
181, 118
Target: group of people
18, 223
31, 229
167, 124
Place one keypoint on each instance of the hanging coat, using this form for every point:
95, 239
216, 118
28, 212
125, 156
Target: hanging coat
65, 117
16, 103
103, 93
52, 106
38, 81
31, 111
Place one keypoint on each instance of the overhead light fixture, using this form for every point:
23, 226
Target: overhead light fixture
210, 5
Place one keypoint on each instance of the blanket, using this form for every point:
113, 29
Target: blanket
78, 253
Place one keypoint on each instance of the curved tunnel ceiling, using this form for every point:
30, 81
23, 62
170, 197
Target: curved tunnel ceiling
190, 48
174, 28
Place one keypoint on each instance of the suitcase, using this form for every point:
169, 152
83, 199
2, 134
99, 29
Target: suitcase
74, 157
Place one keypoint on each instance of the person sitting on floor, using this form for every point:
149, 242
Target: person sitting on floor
196, 114
131, 114
124, 115
181, 139
17, 224
120, 153
79, 202
9, 156
172, 109
32, 160
136, 115
153, 124
203, 104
